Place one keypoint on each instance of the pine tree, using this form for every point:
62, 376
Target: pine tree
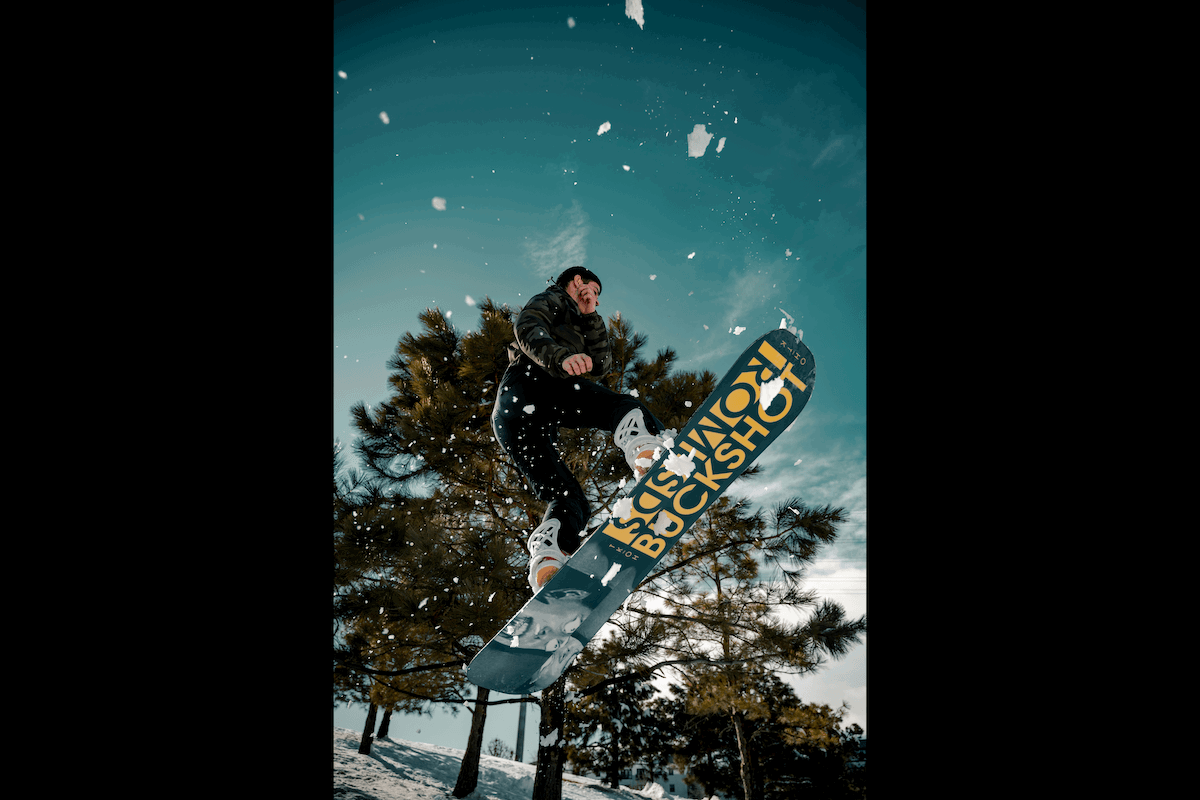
432, 439
437, 547
736, 625
609, 730
795, 749
385, 627
497, 748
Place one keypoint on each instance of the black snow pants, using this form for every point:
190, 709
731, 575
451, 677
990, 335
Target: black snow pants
531, 405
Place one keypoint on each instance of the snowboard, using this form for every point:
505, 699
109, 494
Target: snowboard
759, 397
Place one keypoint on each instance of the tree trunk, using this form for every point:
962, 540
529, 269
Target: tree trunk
520, 753
364, 746
614, 757
383, 726
547, 783
468, 773
747, 758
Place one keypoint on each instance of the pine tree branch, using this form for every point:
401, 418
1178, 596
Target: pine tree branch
457, 699
644, 673
703, 554
359, 667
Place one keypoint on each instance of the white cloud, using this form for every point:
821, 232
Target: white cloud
830, 149
565, 247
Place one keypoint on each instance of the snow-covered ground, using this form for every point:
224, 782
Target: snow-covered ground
398, 769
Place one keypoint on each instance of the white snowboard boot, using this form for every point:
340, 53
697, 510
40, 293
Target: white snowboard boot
545, 556
637, 443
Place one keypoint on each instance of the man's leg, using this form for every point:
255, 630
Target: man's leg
528, 439
635, 430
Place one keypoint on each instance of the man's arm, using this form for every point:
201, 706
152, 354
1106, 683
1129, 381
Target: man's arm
532, 330
595, 337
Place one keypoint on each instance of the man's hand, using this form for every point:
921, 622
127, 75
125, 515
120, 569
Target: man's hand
577, 364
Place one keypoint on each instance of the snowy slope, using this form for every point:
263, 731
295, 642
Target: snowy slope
403, 770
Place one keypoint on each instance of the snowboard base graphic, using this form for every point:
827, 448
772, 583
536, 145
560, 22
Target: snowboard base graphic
759, 397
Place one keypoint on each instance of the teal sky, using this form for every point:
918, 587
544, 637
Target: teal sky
469, 162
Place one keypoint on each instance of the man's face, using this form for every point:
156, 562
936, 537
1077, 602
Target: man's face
540, 628
585, 295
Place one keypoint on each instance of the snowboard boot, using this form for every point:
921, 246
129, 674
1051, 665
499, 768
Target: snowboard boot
545, 554
638, 444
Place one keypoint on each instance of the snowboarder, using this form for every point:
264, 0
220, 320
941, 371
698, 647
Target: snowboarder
560, 338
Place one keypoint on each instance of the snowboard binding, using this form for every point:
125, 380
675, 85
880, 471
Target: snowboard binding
545, 555
633, 437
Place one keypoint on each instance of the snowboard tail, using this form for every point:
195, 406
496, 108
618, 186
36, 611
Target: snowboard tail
759, 397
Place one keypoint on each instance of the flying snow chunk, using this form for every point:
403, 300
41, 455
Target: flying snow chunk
661, 524
698, 141
769, 390
625, 167
605, 127
652, 277
470, 300
612, 573
788, 252
439, 203
383, 116
738, 331
693, 255
798, 460
680, 465
721, 144
633, 392
570, 22
622, 508
342, 74
528, 409
633, 10
549, 739
360, 216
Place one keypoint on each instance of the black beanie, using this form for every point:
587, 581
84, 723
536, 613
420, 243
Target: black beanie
570, 272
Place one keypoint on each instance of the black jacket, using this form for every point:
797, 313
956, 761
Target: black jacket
550, 328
